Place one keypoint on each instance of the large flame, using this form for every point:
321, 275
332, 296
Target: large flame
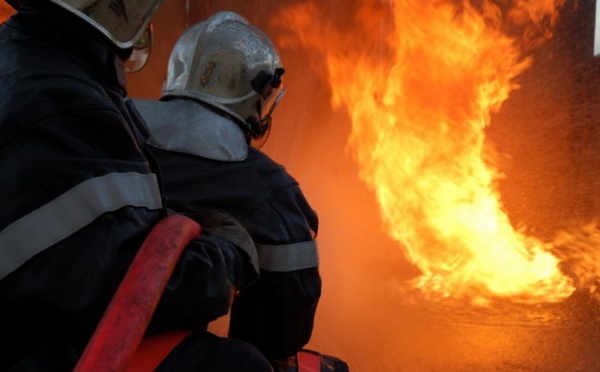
419, 80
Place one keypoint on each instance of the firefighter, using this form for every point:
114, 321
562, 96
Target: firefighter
223, 82
78, 197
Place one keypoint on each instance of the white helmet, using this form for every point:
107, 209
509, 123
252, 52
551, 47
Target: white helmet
122, 21
232, 66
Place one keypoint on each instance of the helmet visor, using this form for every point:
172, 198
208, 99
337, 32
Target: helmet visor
141, 51
259, 139
272, 92
271, 102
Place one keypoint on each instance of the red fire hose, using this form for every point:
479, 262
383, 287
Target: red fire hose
124, 323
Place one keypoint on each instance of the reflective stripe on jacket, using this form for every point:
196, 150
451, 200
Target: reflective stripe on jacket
288, 257
62, 217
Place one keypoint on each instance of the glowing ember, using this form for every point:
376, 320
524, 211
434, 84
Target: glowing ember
420, 93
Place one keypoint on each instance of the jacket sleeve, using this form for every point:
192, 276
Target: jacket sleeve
277, 313
212, 267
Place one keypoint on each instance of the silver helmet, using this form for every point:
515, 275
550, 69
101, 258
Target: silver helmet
232, 66
123, 21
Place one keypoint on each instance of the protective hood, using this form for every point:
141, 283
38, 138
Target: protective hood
189, 127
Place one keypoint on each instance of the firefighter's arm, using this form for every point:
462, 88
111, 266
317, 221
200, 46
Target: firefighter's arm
221, 224
213, 266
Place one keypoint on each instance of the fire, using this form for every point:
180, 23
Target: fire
578, 249
419, 80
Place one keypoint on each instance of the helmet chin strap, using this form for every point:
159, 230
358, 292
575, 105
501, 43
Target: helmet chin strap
259, 132
257, 128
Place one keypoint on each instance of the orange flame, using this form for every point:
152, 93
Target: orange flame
578, 250
419, 92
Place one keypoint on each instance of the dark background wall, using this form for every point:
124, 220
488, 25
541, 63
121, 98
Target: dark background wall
549, 129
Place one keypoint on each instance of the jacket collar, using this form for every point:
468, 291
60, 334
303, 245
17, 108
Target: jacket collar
189, 127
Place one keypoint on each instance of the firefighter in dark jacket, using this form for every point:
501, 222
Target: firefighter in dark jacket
224, 79
78, 197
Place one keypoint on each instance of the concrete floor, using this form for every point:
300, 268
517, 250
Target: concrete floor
376, 327
366, 319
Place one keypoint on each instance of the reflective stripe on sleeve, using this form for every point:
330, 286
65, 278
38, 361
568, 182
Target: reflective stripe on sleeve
71, 211
288, 257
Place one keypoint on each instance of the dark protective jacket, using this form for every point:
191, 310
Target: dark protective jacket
78, 198
206, 162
